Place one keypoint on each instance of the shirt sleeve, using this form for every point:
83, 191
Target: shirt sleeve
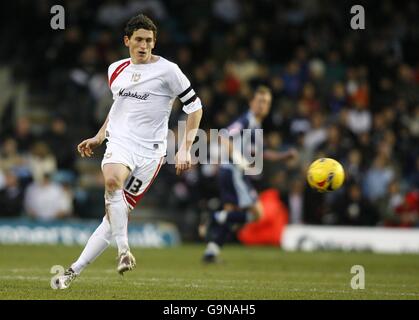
111, 70
114, 70
181, 88
236, 128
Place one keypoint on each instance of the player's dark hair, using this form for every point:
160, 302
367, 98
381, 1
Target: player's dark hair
140, 21
262, 89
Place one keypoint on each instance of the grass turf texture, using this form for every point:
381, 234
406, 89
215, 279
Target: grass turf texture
177, 273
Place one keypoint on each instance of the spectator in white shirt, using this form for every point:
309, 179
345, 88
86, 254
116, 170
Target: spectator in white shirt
47, 200
359, 119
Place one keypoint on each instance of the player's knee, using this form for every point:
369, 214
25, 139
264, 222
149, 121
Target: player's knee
112, 184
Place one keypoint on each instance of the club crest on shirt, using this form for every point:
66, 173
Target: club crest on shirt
135, 77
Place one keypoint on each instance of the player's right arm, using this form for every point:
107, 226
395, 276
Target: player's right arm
85, 148
274, 155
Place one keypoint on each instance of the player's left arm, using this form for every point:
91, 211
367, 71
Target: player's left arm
182, 88
274, 155
183, 156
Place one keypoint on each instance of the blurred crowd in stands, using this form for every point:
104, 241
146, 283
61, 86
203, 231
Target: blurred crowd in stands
352, 95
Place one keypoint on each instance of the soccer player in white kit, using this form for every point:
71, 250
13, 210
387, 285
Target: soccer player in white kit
144, 88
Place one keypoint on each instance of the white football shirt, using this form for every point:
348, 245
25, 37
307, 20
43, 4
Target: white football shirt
143, 97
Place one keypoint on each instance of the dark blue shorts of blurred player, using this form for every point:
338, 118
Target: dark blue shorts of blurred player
235, 187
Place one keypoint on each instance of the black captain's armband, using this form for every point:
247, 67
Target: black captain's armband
188, 96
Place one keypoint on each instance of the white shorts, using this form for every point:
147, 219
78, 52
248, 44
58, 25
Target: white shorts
143, 171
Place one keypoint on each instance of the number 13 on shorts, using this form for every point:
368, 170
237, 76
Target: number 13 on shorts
133, 186
140, 180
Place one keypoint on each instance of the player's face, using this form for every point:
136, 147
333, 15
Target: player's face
140, 45
261, 104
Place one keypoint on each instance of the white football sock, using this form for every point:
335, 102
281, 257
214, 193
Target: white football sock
117, 211
97, 243
212, 249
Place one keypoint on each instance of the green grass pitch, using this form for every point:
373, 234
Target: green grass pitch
177, 273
